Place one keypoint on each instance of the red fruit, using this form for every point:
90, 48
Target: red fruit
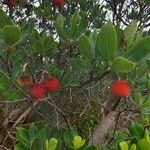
120, 88
51, 84
11, 3
37, 91
57, 2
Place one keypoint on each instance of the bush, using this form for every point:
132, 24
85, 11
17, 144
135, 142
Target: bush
69, 64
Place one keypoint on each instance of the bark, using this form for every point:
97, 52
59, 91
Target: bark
104, 128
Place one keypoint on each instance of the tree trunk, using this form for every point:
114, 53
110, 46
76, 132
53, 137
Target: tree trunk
104, 128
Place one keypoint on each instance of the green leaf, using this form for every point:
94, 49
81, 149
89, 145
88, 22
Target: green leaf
123, 145
119, 36
26, 32
39, 46
84, 46
5, 84
23, 137
133, 147
133, 14
75, 20
130, 33
51, 144
37, 144
137, 130
106, 147
108, 41
2, 43
81, 26
50, 45
148, 63
140, 50
118, 138
147, 136
144, 145
20, 147
53, 70
122, 65
11, 34
139, 35
57, 134
69, 135
97, 47
92, 41
78, 142
79, 65
35, 35
59, 25
68, 138
4, 19
33, 132
74, 132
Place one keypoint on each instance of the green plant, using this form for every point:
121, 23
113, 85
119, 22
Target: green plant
39, 136
84, 50
135, 138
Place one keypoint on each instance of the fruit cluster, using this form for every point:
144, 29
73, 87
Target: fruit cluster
38, 90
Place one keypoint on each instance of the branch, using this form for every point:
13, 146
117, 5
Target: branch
114, 11
97, 78
104, 128
23, 115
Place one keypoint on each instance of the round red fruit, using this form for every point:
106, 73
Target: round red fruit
51, 85
120, 88
11, 3
37, 91
57, 2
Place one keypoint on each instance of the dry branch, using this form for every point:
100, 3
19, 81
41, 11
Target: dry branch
104, 128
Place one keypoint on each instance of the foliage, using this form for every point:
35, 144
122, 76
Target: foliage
94, 48
135, 138
85, 44
39, 136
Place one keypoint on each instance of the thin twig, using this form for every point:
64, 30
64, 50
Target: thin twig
27, 111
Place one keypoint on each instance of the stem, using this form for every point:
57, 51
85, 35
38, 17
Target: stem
98, 78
